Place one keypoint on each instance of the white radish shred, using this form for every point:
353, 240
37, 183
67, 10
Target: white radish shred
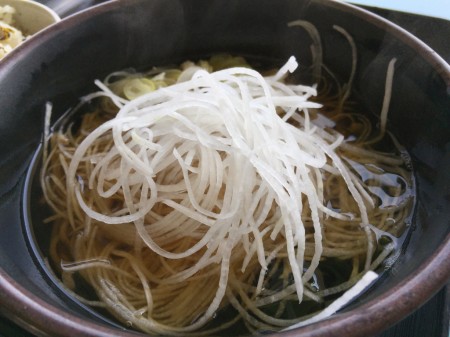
244, 105
387, 96
208, 179
343, 300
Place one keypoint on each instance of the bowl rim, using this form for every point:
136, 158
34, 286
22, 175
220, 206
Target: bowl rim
381, 312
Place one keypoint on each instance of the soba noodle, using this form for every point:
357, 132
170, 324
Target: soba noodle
195, 199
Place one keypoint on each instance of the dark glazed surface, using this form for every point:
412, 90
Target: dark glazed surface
61, 64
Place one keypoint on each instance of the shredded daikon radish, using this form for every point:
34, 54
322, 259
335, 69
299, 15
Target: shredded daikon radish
387, 96
348, 296
220, 187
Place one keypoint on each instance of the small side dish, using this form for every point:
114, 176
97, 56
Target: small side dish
10, 36
20, 19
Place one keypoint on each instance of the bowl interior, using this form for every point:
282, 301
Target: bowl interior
61, 65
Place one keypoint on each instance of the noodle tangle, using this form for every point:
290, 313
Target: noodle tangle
186, 193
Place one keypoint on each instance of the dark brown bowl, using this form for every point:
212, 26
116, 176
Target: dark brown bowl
60, 64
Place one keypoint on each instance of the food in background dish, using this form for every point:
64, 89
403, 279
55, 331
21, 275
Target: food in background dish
10, 35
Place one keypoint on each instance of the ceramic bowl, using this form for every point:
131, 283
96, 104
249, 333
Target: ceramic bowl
60, 65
